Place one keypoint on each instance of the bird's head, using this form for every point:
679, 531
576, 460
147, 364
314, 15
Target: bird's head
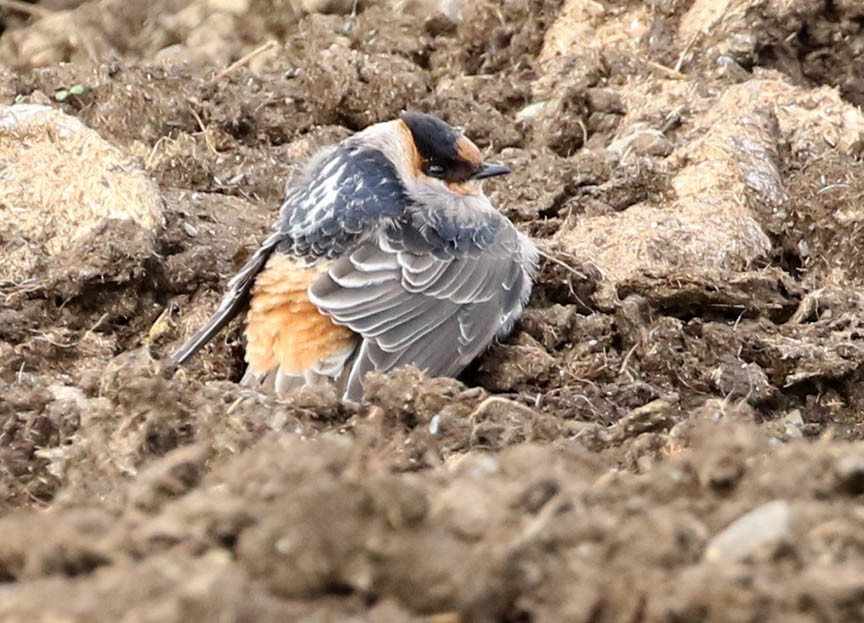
439, 151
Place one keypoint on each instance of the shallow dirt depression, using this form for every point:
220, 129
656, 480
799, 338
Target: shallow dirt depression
672, 433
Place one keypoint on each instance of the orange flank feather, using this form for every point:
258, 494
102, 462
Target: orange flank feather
283, 328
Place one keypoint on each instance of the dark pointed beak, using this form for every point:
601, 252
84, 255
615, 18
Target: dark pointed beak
490, 170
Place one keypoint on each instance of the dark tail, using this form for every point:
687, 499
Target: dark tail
234, 301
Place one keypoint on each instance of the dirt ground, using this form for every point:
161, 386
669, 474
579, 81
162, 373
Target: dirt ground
673, 433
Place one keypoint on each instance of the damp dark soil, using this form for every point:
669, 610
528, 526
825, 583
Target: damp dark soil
673, 432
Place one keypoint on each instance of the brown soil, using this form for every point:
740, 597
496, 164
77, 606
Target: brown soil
693, 356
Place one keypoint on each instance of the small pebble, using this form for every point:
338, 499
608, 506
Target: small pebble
435, 425
793, 423
531, 111
849, 473
769, 523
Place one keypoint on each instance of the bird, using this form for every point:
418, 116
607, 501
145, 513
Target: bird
386, 253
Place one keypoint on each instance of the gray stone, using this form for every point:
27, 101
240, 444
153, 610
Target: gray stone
767, 524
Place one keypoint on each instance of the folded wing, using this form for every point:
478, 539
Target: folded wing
417, 297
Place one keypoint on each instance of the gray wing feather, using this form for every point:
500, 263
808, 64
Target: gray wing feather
432, 351
368, 258
384, 320
415, 305
356, 302
419, 272
403, 334
448, 284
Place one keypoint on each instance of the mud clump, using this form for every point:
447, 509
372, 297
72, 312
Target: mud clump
83, 186
393, 82
671, 433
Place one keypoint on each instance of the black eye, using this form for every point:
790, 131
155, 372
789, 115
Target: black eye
435, 170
